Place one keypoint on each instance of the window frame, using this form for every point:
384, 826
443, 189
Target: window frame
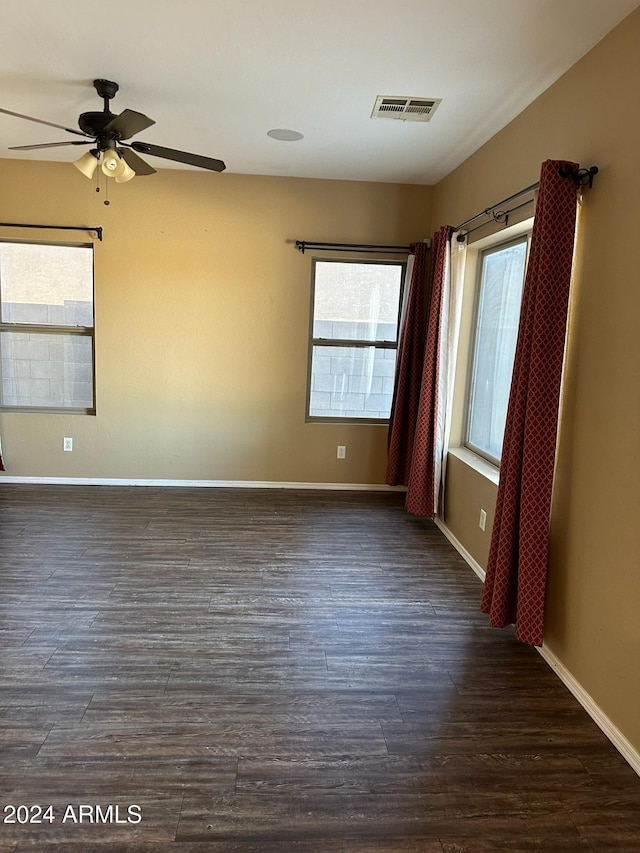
492, 248
54, 329
350, 342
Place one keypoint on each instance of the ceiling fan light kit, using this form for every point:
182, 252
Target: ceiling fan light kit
108, 133
125, 173
110, 162
88, 163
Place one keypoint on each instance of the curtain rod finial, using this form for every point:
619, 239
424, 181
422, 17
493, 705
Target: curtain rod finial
565, 171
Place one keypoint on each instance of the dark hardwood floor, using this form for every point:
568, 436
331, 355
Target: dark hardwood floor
276, 671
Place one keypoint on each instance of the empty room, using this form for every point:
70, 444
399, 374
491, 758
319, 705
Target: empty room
318, 417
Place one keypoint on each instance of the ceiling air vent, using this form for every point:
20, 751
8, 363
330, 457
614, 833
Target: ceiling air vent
405, 109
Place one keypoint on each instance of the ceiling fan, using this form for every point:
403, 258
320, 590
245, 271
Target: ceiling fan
107, 133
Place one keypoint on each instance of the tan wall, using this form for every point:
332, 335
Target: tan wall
202, 319
593, 612
469, 491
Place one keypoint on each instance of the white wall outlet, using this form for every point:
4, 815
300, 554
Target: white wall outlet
483, 520
67, 443
342, 451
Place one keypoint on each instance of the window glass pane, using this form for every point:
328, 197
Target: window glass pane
356, 301
46, 285
351, 382
46, 370
502, 278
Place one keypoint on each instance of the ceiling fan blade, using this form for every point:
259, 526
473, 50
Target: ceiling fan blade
179, 156
128, 123
137, 163
50, 145
42, 121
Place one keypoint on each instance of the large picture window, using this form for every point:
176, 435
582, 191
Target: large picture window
46, 327
501, 280
355, 310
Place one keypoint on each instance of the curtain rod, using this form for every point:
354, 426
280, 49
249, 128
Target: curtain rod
301, 245
500, 216
581, 178
98, 229
489, 211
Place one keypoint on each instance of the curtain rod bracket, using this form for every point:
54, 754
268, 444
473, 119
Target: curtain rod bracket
581, 178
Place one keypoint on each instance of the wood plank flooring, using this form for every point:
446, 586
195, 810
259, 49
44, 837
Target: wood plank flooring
265, 670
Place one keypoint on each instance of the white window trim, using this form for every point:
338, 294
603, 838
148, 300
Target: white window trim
457, 447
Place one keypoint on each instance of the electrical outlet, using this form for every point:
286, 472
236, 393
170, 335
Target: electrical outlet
67, 443
342, 451
483, 520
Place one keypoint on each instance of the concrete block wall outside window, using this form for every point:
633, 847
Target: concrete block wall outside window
350, 381
43, 370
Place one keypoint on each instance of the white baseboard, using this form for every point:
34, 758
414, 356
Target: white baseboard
612, 732
203, 484
626, 749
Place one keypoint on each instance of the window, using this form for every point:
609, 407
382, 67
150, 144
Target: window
501, 279
46, 327
355, 310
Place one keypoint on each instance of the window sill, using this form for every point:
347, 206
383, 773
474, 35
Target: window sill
317, 419
489, 471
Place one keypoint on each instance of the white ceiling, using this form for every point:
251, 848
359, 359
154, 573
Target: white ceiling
216, 75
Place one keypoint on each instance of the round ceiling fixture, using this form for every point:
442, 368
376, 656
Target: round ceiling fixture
283, 135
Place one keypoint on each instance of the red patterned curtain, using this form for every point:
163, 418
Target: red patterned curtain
406, 391
422, 491
514, 589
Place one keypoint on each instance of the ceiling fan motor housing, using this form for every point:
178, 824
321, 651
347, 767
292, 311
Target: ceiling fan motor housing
94, 123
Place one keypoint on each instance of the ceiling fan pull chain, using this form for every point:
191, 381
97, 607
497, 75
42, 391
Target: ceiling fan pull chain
106, 186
